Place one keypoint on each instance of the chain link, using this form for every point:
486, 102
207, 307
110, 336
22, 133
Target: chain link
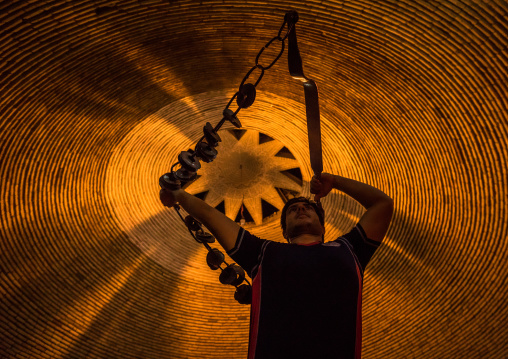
266, 47
248, 74
290, 27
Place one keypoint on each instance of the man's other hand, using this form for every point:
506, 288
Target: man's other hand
167, 197
322, 185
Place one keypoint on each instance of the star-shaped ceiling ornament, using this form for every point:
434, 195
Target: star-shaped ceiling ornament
250, 169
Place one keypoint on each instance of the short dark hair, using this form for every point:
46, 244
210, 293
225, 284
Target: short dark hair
317, 208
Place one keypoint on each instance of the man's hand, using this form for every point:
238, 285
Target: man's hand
167, 197
322, 185
376, 220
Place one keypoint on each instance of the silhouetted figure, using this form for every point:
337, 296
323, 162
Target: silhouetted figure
306, 300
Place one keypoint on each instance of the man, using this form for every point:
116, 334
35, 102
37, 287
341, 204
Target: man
306, 300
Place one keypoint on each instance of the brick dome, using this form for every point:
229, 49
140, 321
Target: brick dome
99, 97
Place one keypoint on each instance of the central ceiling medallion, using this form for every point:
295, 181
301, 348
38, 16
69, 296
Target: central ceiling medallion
251, 178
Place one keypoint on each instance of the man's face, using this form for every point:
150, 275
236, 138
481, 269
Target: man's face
302, 218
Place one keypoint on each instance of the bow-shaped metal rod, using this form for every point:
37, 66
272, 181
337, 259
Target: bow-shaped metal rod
311, 96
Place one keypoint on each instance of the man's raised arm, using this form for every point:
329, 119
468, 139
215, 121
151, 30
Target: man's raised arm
223, 228
376, 220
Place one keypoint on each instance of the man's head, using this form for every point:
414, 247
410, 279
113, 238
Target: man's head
301, 215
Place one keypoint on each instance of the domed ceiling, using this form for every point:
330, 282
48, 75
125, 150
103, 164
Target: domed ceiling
100, 97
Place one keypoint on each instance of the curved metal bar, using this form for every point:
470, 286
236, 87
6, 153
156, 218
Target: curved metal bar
311, 97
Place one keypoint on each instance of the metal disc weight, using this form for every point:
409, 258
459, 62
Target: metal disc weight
169, 181
214, 258
233, 275
206, 152
192, 224
204, 237
247, 93
243, 294
184, 175
211, 136
188, 161
230, 116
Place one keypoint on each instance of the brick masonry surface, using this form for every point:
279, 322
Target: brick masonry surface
413, 98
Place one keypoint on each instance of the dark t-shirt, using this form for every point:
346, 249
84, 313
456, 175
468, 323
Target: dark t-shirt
306, 299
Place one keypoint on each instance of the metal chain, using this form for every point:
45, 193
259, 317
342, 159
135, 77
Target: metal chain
282, 40
262, 69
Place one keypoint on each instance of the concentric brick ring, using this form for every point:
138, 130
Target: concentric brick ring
413, 101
